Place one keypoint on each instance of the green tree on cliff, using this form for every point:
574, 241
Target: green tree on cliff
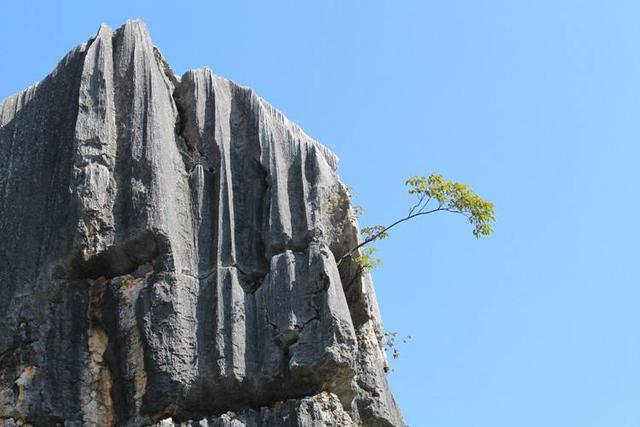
433, 194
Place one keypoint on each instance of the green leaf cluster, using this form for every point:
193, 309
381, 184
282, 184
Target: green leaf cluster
366, 260
455, 197
374, 232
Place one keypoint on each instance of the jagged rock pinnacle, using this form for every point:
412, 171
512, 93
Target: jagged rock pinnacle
167, 255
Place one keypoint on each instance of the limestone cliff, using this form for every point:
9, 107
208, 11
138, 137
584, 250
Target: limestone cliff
167, 255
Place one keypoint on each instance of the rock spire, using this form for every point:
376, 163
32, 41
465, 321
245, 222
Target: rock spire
167, 255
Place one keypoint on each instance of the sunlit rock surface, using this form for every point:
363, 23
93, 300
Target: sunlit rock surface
168, 253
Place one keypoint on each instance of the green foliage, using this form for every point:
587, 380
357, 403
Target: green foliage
453, 197
374, 232
450, 196
366, 260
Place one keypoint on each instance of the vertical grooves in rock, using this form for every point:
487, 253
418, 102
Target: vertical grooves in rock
197, 227
123, 148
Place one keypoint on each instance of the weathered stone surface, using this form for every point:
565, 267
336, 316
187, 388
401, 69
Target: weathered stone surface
168, 254
322, 410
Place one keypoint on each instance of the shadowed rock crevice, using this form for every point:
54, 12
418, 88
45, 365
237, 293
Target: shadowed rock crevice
116, 260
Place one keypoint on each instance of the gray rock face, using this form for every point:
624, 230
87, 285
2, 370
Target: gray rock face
322, 410
168, 254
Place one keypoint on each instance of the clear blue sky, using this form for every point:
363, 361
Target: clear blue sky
535, 103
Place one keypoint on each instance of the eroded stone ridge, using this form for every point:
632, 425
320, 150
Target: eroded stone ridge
168, 254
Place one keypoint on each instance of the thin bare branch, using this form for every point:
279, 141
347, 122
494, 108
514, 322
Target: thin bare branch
420, 199
425, 205
385, 229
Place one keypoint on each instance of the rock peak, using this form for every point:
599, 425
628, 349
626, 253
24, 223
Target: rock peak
168, 254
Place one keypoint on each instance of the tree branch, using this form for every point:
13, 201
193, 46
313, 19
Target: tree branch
389, 227
420, 199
